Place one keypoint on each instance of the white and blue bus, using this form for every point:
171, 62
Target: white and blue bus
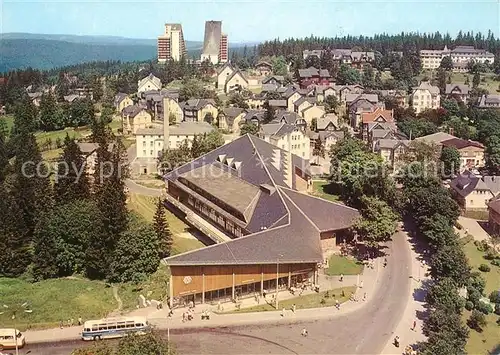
109, 328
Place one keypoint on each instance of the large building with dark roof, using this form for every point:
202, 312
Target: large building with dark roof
250, 198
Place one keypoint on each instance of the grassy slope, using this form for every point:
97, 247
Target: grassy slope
341, 265
55, 300
146, 207
481, 343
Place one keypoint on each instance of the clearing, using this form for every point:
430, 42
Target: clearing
314, 300
482, 343
55, 300
183, 239
343, 265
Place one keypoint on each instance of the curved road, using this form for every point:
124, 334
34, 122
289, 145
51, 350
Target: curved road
365, 331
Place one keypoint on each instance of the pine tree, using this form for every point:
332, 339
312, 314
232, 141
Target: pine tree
270, 113
4, 152
162, 231
72, 182
44, 256
49, 120
30, 188
476, 79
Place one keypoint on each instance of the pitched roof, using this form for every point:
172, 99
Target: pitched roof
464, 89
391, 143
181, 129
132, 110
377, 114
425, 85
279, 78
352, 97
461, 143
495, 205
234, 73
467, 182
155, 80
284, 223
196, 104
277, 103
323, 135
311, 100
231, 112
436, 138
489, 100
278, 129
269, 87
323, 122
312, 72
120, 97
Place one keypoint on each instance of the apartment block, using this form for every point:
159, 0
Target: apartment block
171, 45
431, 58
215, 47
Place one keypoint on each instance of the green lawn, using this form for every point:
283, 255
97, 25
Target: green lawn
323, 189
146, 207
481, 343
307, 301
52, 155
55, 300
459, 78
342, 265
61, 134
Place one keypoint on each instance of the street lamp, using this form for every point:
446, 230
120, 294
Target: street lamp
20, 308
277, 278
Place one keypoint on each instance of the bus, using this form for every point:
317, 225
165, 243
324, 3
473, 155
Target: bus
109, 328
9, 337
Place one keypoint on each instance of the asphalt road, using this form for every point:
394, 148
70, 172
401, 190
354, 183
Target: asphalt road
365, 331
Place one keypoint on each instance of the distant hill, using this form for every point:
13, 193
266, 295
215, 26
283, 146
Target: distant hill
45, 51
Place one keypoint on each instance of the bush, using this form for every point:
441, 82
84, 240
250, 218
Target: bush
495, 297
484, 268
476, 321
491, 254
322, 301
469, 305
496, 262
484, 308
473, 295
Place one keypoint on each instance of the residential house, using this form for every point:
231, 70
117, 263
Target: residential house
357, 104
323, 91
431, 59
474, 193
312, 112
256, 101
278, 104
224, 72
312, 76
489, 101
174, 109
392, 150
89, 153
287, 137
257, 217
458, 92
328, 139
291, 95
303, 103
278, 80
148, 83
328, 122
425, 96
229, 118
360, 59
268, 88
264, 68
494, 216
471, 152
135, 117
347, 91
253, 116
235, 82
291, 118
35, 97
199, 110
84, 92
435, 138
379, 115
71, 98
121, 101
400, 96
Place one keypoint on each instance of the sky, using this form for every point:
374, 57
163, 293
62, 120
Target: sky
248, 20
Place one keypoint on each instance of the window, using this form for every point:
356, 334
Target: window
144, 143
151, 152
144, 152
151, 143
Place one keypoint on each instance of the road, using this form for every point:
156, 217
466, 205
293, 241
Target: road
364, 331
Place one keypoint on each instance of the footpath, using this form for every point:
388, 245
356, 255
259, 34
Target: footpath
409, 335
369, 281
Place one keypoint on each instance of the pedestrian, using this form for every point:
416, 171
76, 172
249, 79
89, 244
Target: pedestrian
264, 293
414, 325
341, 277
283, 312
61, 324
294, 307
218, 306
69, 323
80, 320
304, 332
72, 322
361, 284
364, 297
385, 262
396, 341
183, 317
337, 304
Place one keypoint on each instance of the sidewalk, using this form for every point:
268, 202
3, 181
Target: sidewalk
414, 307
158, 318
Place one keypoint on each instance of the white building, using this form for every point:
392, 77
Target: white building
431, 58
171, 45
288, 137
425, 96
148, 83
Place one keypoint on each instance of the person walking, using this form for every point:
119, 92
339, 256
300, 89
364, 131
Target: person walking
304, 332
61, 324
294, 307
396, 341
414, 325
341, 277
80, 322
364, 297
337, 304
361, 284
283, 312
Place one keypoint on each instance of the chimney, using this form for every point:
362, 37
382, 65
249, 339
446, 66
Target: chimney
166, 123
